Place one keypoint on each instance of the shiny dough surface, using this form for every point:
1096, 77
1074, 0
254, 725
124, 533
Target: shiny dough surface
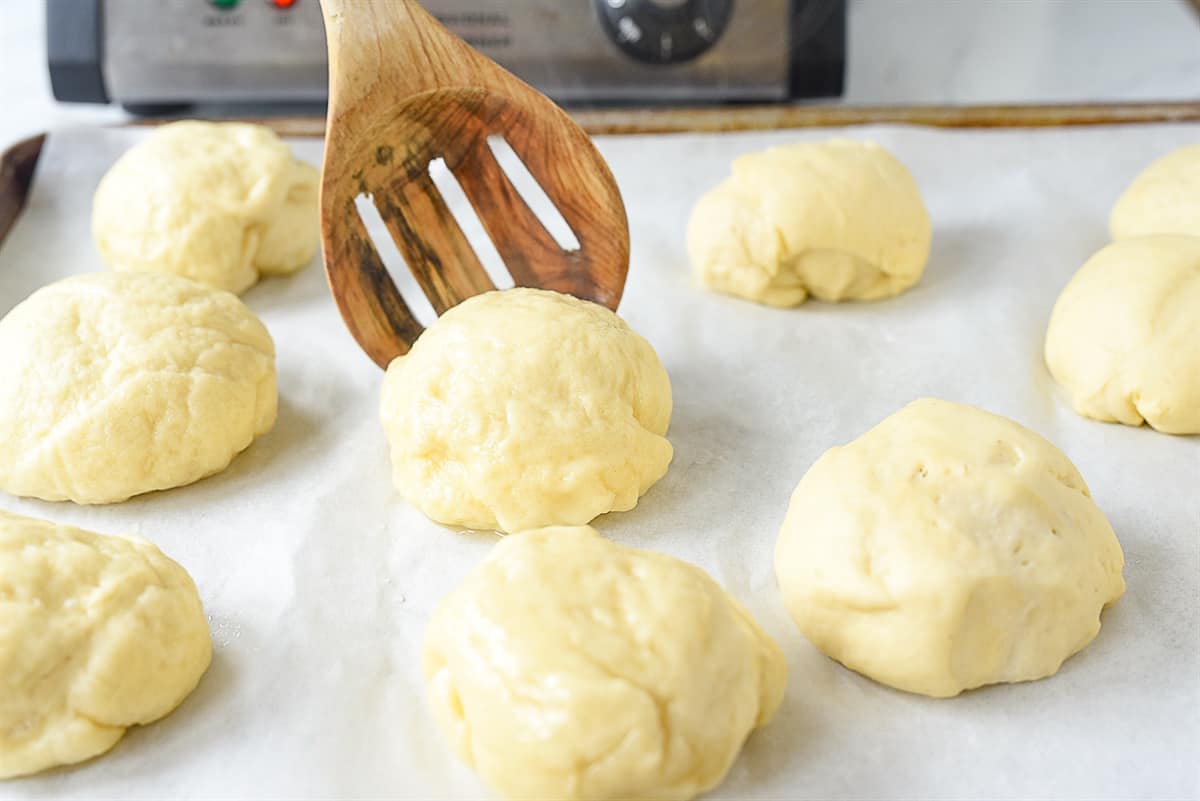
221, 203
116, 384
526, 408
945, 549
1124, 336
97, 634
567, 666
1163, 199
838, 220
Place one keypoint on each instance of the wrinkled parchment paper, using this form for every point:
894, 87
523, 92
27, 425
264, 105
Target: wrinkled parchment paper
318, 580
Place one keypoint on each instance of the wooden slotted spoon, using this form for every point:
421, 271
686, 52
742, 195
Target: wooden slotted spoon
404, 91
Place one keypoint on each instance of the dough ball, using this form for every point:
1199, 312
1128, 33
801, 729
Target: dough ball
1124, 337
115, 384
97, 634
1163, 199
569, 667
945, 549
526, 408
221, 203
839, 220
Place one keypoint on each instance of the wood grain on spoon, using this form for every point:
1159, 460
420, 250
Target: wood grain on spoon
404, 91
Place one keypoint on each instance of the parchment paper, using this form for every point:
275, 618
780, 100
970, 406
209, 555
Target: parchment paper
318, 580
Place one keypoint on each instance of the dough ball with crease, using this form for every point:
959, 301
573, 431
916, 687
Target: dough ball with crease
221, 203
1124, 336
838, 220
945, 549
566, 666
97, 634
526, 408
115, 384
1163, 199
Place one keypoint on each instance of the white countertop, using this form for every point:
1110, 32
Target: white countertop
901, 51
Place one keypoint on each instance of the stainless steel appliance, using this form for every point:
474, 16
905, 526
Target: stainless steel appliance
143, 52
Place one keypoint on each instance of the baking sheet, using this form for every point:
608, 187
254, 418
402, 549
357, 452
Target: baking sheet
318, 580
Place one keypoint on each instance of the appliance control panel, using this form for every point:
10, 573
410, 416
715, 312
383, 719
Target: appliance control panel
184, 51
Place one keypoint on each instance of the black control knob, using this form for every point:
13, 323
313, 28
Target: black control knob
664, 31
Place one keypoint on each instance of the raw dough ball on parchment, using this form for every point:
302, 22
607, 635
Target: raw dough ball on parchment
569, 667
1163, 199
221, 203
97, 634
1124, 337
526, 408
945, 549
839, 220
115, 384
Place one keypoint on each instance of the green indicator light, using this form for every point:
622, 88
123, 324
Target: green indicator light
226, 4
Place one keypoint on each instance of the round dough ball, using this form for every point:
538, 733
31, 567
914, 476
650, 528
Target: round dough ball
1124, 337
221, 203
1163, 199
526, 408
96, 634
945, 549
839, 220
115, 384
569, 667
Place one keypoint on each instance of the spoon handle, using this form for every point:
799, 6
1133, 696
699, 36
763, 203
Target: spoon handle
391, 49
